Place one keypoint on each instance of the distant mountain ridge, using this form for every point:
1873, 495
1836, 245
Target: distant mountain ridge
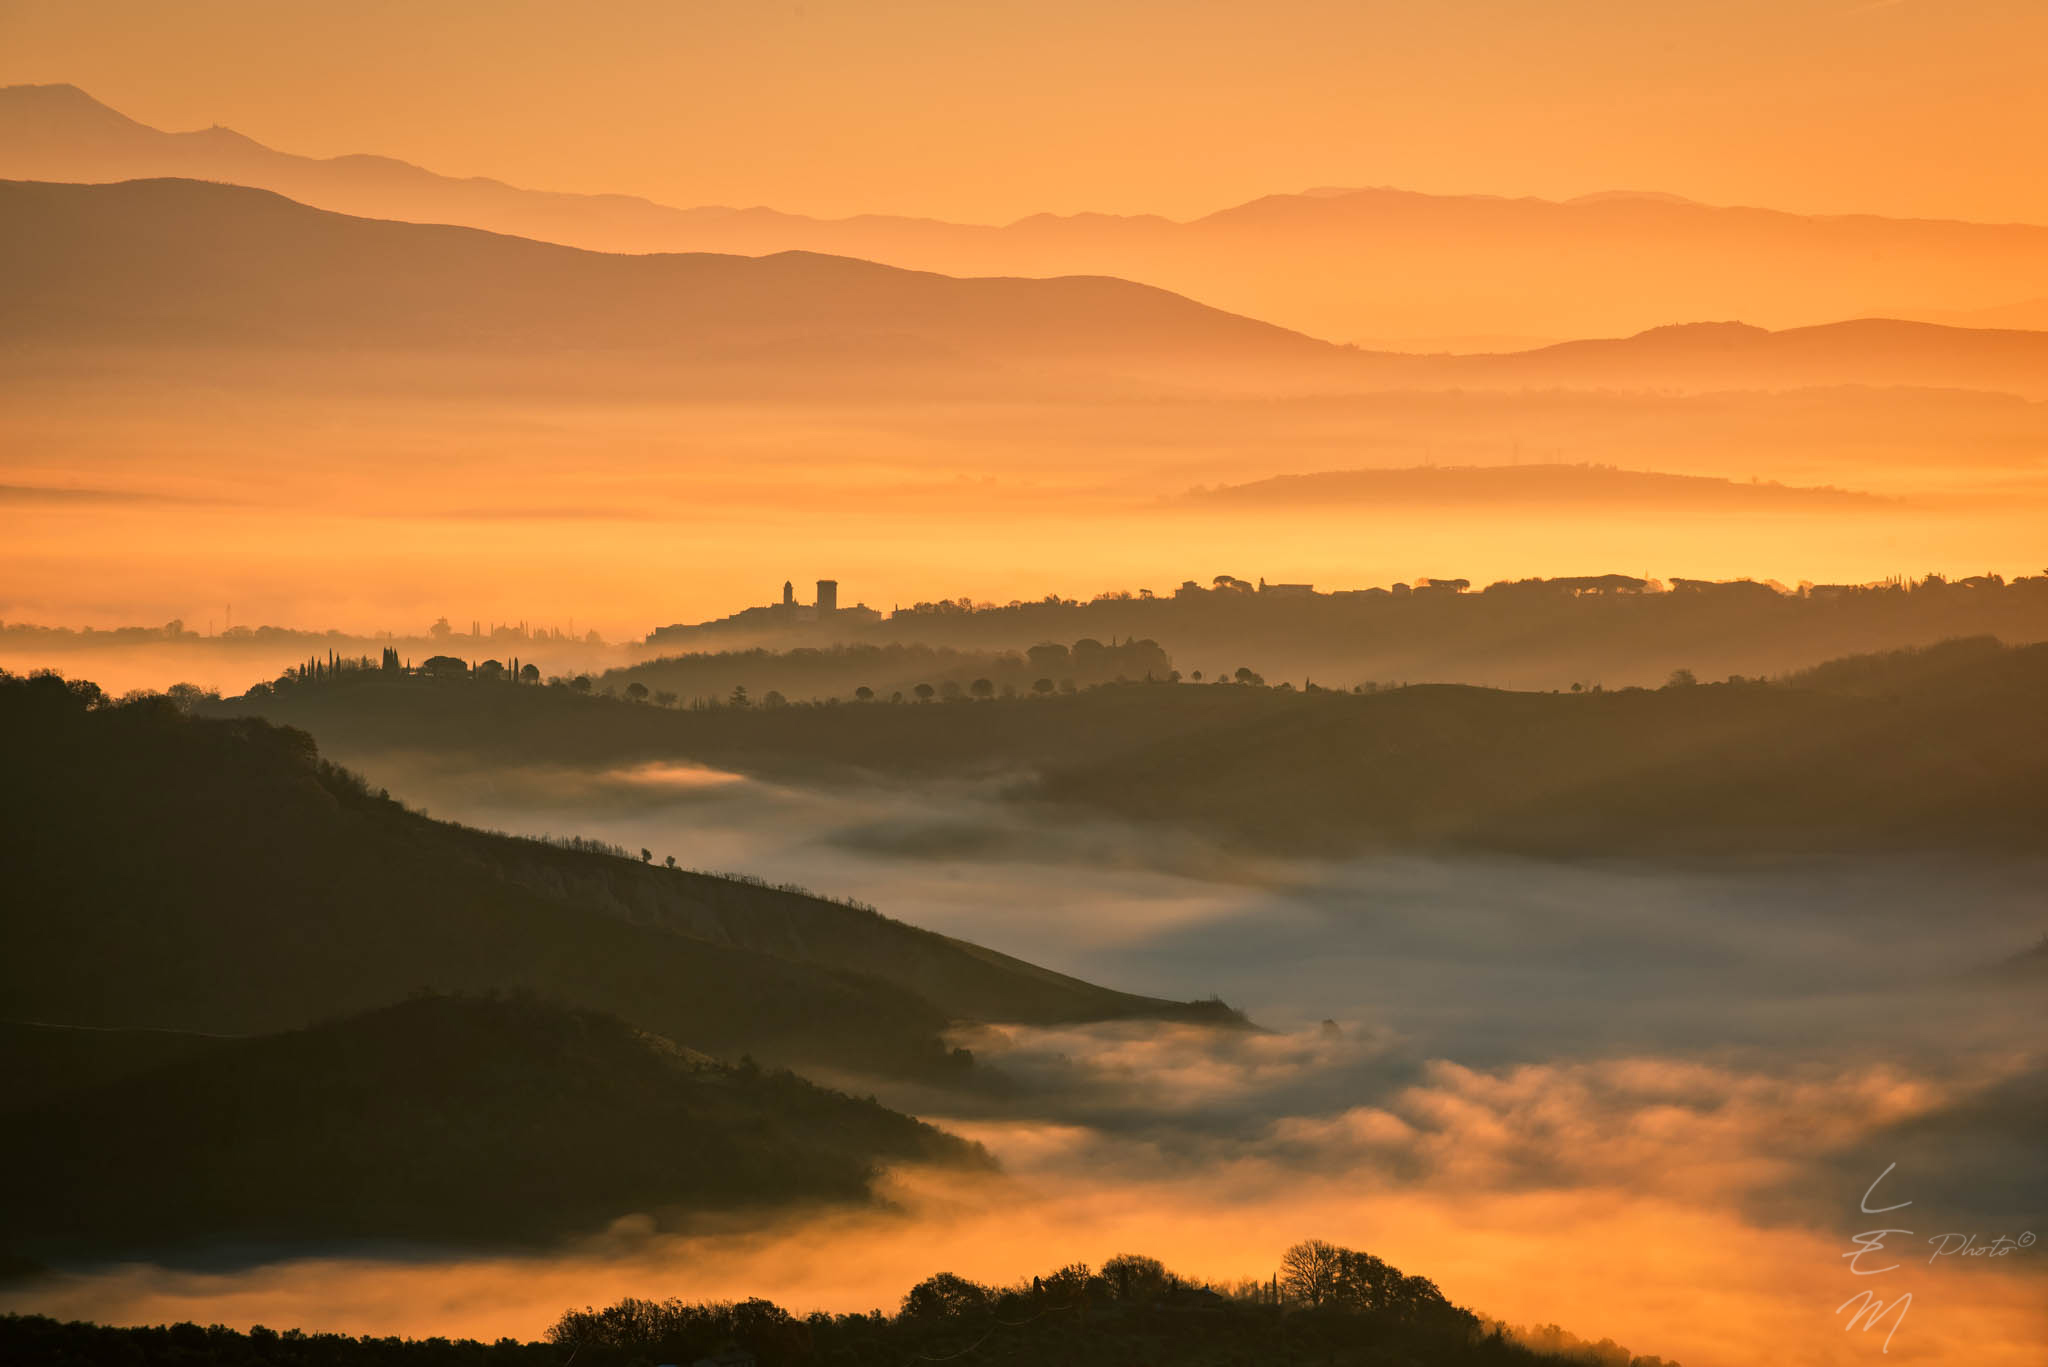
1885, 352
1335, 263
183, 264
170, 272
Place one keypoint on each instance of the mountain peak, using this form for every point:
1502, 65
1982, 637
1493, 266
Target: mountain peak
62, 100
54, 90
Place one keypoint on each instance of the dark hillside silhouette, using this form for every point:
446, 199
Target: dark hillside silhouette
439, 1120
1948, 755
216, 876
42, 1060
885, 671
1959, 762
911, 738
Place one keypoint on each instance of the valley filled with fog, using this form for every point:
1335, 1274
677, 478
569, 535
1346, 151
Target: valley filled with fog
1532, 1077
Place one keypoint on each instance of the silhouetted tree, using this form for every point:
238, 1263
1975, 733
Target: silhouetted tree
1042, 686
1310, 1271
186, 695
636, 691
983, 688
924, 692
945, 1296
1135, 1277
1049, 656
864, 693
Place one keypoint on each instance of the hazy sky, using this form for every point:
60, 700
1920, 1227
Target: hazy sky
988, 112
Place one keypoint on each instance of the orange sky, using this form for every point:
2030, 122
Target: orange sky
983, 112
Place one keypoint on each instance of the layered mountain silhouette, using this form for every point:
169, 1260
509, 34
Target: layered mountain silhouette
439, 1120
216, 877
1363, 265
185, 264
1718, 356
178, 272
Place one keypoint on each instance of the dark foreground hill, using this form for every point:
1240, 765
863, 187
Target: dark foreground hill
437, 1121
217, 876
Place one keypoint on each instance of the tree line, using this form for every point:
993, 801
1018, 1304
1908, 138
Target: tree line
1322, 1305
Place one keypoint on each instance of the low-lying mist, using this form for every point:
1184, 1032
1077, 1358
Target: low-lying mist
366, 510
1643, 1101
1473, 955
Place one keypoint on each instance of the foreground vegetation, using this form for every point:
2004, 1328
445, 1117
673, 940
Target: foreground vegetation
1327, 1306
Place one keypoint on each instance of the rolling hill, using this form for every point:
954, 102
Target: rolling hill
1934, 749
1946, 758
1375, 266
217, 877
439, 1120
